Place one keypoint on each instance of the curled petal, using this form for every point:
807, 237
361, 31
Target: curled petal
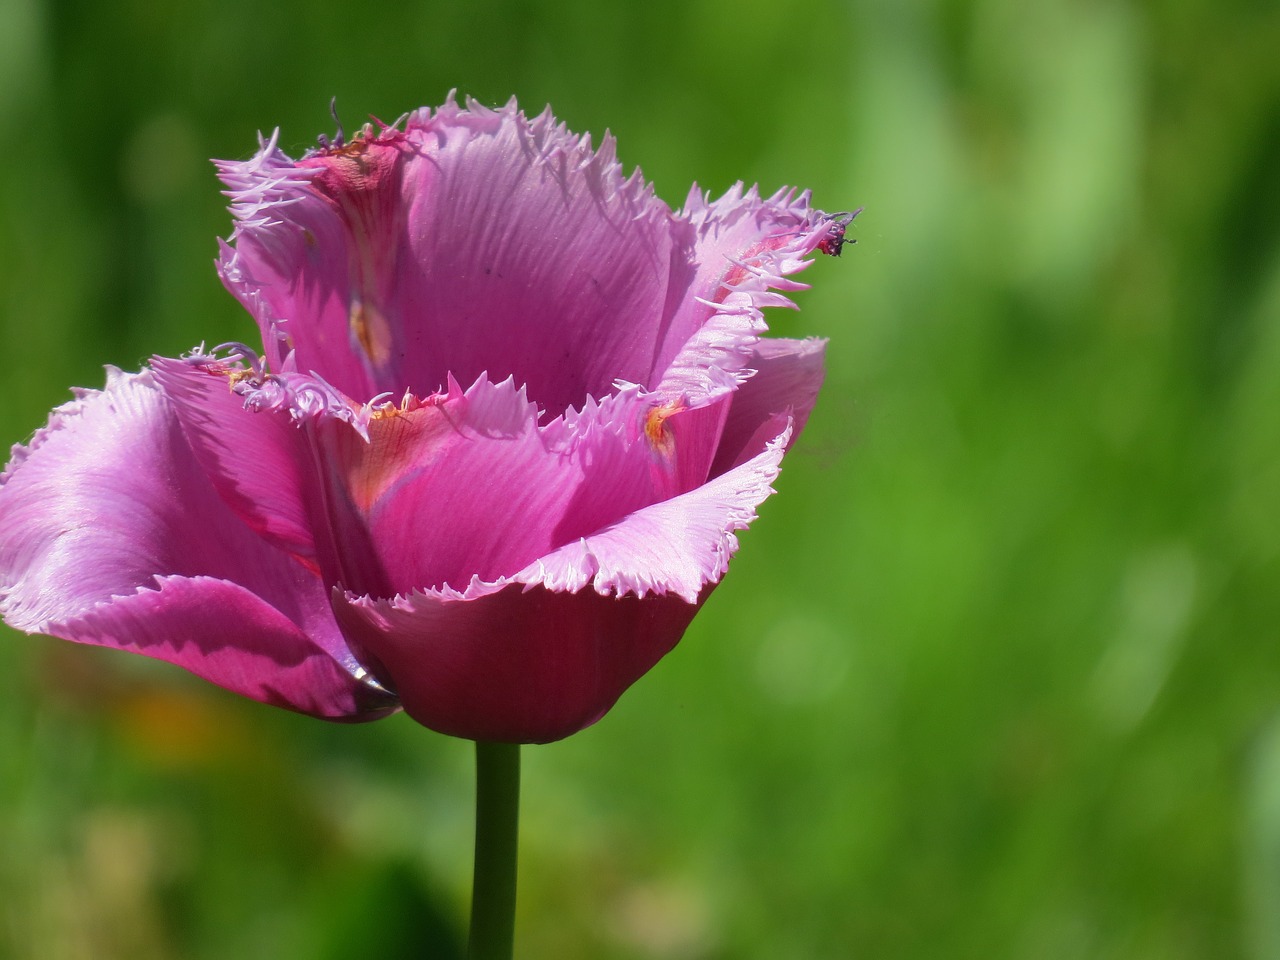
260, 464
745, 248
676, 547
466, 484
261, 189
109, 501
783, 387
228, 635
540, 656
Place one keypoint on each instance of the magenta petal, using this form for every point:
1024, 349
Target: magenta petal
108, 501
467, 486
473, 241
534, 257
540, 662
101, 501
259, 462
745, 249
515, 665
674, 547
227, 635
788, 374
288, 264
429, 497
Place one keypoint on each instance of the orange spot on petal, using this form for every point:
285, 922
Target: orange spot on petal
372, 332
654, 426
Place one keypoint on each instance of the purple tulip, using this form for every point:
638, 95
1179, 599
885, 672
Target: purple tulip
337, 525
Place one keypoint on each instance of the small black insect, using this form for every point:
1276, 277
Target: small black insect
835, 240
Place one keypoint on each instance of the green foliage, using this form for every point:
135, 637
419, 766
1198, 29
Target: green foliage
995, 674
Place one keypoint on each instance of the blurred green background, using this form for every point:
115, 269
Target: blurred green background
996, 673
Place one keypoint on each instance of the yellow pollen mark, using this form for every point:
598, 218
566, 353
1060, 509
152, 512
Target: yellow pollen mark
408, 403
236, 376
355, 146
654, 428
372, 332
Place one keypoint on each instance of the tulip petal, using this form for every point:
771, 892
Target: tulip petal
467, 485
280, 224
224, 633
259, 462
474, 241
542, 262
537, 663
513, 665
745, 249
676, 547
788, 374
108, 506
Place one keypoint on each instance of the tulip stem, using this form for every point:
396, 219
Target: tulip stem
493, 892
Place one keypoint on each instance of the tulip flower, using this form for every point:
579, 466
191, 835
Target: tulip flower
508, 413
336, 525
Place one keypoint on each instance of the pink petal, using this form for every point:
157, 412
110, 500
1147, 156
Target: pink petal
474, 241
522, 666
745, 249
788, 374
107, 502
538, 663
676, 547
259, 462
467, 485
226, 634
280, 223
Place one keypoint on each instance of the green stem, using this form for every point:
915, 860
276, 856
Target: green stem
493, 893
